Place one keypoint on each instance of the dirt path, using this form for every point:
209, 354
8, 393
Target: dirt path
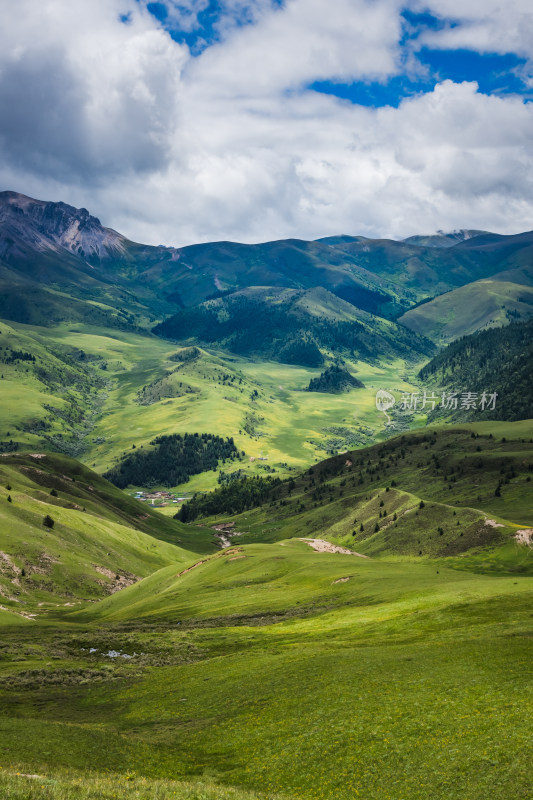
193, 566
321, 546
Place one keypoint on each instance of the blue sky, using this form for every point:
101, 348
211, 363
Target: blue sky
421, 67
180, 121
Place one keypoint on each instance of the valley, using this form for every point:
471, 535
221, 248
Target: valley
268, 669
333, 600
286, 424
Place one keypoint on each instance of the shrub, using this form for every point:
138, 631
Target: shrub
48, 521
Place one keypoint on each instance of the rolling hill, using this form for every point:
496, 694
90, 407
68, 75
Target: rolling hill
357, 626
476, 306
293, 326
449, 466
67, 536
243, 666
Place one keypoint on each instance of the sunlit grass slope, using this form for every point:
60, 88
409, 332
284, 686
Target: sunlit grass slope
268, 668
96, 540
71, 785
470, 472
47, 396
290, 578
285, 670
282, 422
476, 306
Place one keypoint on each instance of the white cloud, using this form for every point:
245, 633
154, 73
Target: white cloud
305, 41
230, 145
486, 26
84, 95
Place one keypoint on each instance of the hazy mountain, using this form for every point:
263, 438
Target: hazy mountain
442, 239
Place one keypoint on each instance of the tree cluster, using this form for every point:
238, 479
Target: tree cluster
334, 380
172, 460
231, 498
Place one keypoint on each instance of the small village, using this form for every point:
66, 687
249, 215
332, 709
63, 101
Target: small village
159, 499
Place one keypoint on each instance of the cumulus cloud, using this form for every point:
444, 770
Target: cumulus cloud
84, 95
307, 40
101, 108
486, 26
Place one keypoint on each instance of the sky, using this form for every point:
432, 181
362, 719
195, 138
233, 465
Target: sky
186, 121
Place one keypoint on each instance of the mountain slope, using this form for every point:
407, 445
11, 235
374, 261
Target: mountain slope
389, 500
44, 244
442, 239
67, 536
498, 360
476, 306
48, 392
78, 488
453, 468
293, 327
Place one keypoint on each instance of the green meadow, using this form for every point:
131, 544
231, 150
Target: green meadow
282, 423
476, 306
267, 669
306, 674
139, 659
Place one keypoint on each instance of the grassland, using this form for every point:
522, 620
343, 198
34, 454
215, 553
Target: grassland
288, 426
268, 670
71, 785
98, 542
50, 398
405, 680
456, 471
476, 306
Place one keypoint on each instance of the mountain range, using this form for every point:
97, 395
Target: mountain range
83, 270
93, 326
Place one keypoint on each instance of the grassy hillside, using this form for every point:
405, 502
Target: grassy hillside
67, 535
370, 499
268, 669
72, 785
310, 674
356, 627
248, 583
476, 306
48, 393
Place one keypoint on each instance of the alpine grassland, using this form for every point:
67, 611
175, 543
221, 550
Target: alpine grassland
391, 662
133, 389
342, 605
